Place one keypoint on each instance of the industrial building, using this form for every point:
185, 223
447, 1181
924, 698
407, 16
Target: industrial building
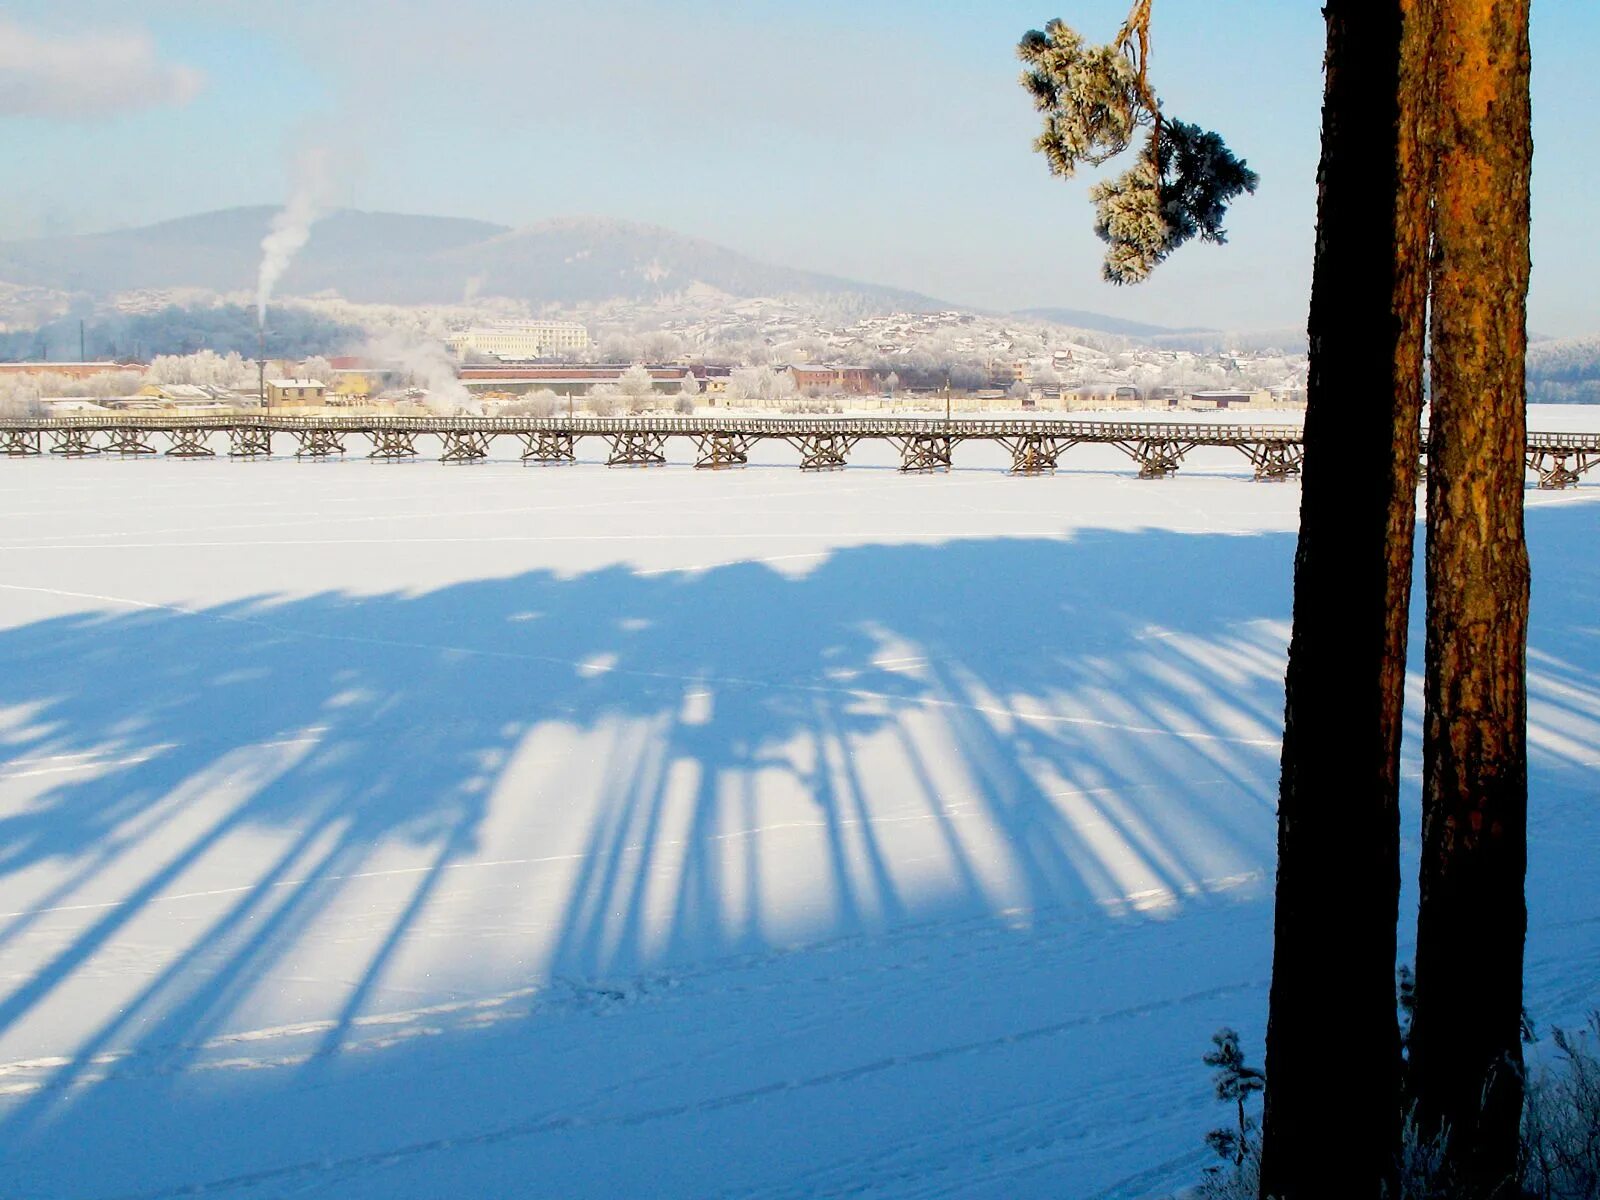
521, 339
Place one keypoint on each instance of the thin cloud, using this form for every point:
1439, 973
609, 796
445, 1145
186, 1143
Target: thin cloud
82, 78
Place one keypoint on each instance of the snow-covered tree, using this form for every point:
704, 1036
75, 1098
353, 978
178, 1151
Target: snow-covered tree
1094, 99
19, 397
636, 382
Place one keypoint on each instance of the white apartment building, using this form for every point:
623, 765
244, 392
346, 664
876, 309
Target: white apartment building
521, 339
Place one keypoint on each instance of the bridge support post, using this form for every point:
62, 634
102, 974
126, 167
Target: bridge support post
823, 451
548, 446
464, 445
719, 449
926, 452
73, 443
248, 441
20, 443
636, 448
1275, 462
190, 441
128, 439
1559, 469
392, 443
318, 441
1158, 457
1033, 453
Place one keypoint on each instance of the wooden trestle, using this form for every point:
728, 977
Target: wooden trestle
1275, 462
73, 442
20, 443
543, 446
191, 441
130, 440
822, 449
464, 445
1035, 445
926, 452
1034, 453
248, 441
318, 441
718, 449
637, 448
392, 443
1561, 468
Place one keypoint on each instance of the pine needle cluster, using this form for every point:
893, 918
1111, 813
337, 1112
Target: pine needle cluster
1094, 100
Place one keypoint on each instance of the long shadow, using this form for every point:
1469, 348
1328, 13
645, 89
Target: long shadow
325, 809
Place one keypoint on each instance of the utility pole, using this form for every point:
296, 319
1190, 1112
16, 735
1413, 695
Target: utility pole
261, 365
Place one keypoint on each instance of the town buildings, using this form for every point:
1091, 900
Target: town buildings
520, 339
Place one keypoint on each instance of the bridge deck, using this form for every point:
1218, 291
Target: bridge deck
1157, 448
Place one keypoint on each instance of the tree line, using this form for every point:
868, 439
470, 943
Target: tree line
293, 332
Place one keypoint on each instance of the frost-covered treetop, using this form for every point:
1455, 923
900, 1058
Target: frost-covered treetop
1094, 99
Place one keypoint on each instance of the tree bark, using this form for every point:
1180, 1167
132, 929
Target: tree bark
1331, 1125
1466, 1054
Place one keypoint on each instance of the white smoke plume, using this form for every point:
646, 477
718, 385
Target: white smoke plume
427, 365
291, 227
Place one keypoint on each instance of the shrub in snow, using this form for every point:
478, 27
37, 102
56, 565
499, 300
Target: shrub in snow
1238, 1145
684, 405
1561, 1120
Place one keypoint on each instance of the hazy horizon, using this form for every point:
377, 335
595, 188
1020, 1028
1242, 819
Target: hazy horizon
880, 142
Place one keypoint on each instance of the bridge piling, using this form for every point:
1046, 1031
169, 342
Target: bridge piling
823, 450
464, 445
20, 443
73, 443
1554, 471
129, 439
318, 441
391, 444
546, 447
191, 441
1032, 453
246, 441
926, 452
720, 449
1275, 462
637, 448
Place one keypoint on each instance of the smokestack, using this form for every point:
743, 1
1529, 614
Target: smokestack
261, 358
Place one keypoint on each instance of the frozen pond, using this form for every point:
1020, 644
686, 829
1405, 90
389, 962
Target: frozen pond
408, 830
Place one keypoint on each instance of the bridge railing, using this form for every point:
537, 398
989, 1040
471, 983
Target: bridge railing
1061, 430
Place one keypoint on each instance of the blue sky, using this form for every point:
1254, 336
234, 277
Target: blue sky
885, 140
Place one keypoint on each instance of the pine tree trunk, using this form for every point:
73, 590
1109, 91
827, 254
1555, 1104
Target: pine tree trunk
1466, 1056
1332, 1101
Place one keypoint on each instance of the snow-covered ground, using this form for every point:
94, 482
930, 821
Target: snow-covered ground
405, 830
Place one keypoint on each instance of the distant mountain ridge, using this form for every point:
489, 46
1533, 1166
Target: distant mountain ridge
394, 258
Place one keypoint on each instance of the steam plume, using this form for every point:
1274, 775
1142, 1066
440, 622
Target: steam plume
291, 227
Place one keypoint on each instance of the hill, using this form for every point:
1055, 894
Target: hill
400, 259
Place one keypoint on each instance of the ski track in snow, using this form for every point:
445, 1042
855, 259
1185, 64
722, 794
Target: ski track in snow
665, 834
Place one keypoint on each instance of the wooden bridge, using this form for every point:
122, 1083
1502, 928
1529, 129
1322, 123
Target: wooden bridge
1156, 448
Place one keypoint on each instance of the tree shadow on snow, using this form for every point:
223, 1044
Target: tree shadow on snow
1084, 725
